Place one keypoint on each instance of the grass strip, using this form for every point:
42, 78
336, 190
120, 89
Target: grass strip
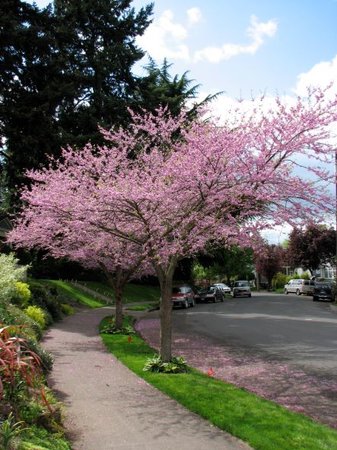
262, 424
70, 290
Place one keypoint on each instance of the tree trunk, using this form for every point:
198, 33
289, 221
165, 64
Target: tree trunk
166, 281
118, 282
119, 306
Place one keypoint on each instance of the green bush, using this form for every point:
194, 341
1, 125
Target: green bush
21, 294
15, 316
37, 314
279, 280
45, 298
10, 273
68, 310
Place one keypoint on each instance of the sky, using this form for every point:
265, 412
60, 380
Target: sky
244, 48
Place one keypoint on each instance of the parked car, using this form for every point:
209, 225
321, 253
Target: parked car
199, 293
241, 288
183, 296
300, 287
213, 294
223, 287
324, 291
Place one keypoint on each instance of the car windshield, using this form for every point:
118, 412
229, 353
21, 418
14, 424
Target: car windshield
180, 290
241, 283
323, 285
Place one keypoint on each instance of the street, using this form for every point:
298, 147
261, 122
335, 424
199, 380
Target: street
288, 328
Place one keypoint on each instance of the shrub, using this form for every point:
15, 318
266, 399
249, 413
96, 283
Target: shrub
109, 327
37, 314
9, 431
68, 310
15, 316
22, 294
45, 357
156, 364
18, 364
279, 280
10, 273
47, 300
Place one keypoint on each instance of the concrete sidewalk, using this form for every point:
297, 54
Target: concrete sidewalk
110, 408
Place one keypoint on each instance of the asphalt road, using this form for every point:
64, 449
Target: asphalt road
285, 327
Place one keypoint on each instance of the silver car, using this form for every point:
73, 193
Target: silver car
299, 286
241, 288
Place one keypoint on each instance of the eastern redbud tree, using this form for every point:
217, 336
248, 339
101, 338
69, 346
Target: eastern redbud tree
166, 187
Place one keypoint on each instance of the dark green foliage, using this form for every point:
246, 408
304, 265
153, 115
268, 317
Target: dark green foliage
30, 90
98, 42
159, 87
47, 299
228, 262
63, 72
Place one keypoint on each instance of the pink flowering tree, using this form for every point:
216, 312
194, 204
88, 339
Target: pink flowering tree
62, 234
191, 183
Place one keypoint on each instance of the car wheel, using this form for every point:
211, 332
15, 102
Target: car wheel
298, 292
286, 292
314, 299
234, 295
249, 295
222, 299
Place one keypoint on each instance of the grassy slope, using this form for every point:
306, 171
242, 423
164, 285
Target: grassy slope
263, 424
75, 293
133, 292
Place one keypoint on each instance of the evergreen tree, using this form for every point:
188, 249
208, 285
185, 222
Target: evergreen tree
98, 43
159, 87
30, 90
63, 72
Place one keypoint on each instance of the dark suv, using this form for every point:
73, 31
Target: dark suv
324, 291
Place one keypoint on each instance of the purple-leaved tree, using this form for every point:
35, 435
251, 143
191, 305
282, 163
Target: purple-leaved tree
188, 183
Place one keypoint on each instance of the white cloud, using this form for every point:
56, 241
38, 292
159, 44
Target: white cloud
320, 75
165, 38
194, 15
257, 31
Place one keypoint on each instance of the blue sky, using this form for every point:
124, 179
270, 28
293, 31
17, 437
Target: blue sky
245, 47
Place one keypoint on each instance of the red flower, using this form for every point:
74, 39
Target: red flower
210, 372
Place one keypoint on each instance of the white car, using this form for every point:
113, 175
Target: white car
223, 287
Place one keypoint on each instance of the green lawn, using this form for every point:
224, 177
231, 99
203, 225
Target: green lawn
133, 292
76, 293
261, 423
